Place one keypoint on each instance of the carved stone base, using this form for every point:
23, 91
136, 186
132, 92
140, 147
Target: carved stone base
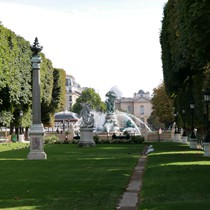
177, 137
184, 139
193, 143
36, 134
38, 155
206, 148
86, 137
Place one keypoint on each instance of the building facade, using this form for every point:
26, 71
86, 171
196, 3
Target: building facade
73, 91
140, 105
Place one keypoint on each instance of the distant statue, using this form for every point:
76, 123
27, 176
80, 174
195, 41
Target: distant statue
91, 120
87, 116
110, 102
129, 124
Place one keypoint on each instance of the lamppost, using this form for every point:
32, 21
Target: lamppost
177, 135
184, 131
64, 122
20, 138
36, 130
207, 100
184, 135
175, 116
192, 107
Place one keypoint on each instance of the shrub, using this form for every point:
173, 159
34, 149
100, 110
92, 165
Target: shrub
67, 141
59, 142
96, 139
137, 139
51, 139
75, 141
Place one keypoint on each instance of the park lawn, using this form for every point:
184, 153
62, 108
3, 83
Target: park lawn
175, 177
72, 178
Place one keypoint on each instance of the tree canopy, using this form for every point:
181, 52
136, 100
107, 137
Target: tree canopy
91, 97
16, 82
162, 104
185, 48
184, 41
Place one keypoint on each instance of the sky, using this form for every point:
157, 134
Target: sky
102, 43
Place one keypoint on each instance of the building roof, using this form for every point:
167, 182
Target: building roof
66, 116
141, 92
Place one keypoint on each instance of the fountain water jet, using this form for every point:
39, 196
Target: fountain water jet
114, 121
126, 122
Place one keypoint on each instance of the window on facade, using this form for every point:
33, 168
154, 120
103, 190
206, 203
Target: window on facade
130, 109
141, 109
70, 98
68, 82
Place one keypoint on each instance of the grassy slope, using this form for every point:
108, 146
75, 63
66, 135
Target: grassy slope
176, 177
71, 177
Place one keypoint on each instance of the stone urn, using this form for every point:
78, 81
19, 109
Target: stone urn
206, 148
184, 139
193, 143
177, 137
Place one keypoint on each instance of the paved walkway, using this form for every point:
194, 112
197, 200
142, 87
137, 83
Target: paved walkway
130, 198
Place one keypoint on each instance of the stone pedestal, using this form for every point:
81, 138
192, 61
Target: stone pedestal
193, 143
177, 137
206, 148
21, 138
86, 137
184, 139
36, 134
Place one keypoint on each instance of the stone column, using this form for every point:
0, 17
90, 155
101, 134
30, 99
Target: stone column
36, 132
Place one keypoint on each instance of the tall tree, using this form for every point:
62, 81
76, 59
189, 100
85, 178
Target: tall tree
184, 41
89, 96
16, 82
46, 70
185, 47
59, 90
162, 106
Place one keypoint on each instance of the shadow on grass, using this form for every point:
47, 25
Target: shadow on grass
70, 178
176, 177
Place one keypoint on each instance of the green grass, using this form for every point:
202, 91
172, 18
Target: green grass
72, 178
176, 177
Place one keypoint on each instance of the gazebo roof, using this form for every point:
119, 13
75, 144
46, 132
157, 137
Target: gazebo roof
67, 116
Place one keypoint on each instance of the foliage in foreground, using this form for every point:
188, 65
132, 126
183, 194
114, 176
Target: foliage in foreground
71, 178
53, 139
176, 178
185, 45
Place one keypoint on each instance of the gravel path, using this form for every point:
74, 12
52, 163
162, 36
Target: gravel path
130, 198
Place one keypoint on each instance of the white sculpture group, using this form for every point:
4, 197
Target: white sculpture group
86, 127
87, 116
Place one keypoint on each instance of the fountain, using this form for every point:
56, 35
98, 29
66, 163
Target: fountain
113, 121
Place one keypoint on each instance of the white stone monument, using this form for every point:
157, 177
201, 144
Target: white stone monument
36, 132
86, 128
